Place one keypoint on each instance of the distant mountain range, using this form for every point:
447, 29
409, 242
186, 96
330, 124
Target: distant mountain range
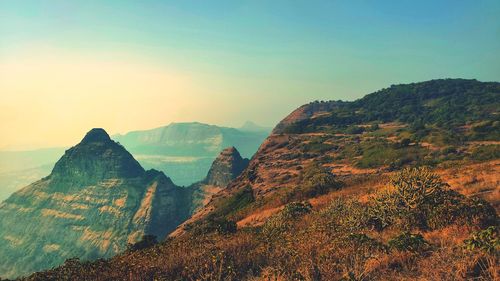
193, 140
184, 151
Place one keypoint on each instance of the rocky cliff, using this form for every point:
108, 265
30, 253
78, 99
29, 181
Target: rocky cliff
96, 200
225, 168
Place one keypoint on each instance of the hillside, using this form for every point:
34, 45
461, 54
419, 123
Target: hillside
333, 194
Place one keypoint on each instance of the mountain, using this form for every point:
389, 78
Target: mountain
96, 200
401, 184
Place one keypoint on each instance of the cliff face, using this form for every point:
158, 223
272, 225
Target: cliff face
96, 200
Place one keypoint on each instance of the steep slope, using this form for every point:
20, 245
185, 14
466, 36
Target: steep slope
96, 200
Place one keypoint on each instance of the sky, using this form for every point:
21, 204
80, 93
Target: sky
68, 66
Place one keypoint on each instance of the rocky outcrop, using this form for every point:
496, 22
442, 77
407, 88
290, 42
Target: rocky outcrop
96, 200
225, 168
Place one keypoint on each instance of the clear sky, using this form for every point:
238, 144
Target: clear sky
68, 66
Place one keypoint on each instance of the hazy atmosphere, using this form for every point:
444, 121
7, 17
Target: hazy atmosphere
249, 140
123, 65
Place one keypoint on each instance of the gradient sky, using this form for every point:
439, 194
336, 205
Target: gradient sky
68, 66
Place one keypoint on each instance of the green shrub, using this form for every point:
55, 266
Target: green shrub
296, 209
354, 130
315, 180
281, 222
409, 242
484, 240
486, 152
413, 192
364, 243
212, 224
377, 153
419, 199
235, 202
345, 215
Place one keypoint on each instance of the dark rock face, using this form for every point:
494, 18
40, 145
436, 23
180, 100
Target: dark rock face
96, 200
226, 167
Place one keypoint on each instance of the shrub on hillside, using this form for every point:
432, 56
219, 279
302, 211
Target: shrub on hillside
235, 202
345, 215
486, 240
418, 198
282, 221
215, 224
315, 180
409, 242
486, 152
411, 193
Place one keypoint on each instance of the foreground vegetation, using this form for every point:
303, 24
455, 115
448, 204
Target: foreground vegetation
416, 228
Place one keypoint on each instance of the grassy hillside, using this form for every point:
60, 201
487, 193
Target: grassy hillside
400, 185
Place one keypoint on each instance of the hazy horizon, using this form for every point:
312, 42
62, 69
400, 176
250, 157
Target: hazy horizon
126, 65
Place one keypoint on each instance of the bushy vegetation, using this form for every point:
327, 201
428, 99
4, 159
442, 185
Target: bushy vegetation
417, 198
434, 110
314, 180
345, 240
486, 152
283, 221
235, 202
486, 240
407, 241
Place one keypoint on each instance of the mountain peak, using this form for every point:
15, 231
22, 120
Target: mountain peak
250, 126
95, 158
226, 167
96, 135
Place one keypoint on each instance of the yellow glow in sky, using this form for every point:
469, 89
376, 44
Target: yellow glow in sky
51, 100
